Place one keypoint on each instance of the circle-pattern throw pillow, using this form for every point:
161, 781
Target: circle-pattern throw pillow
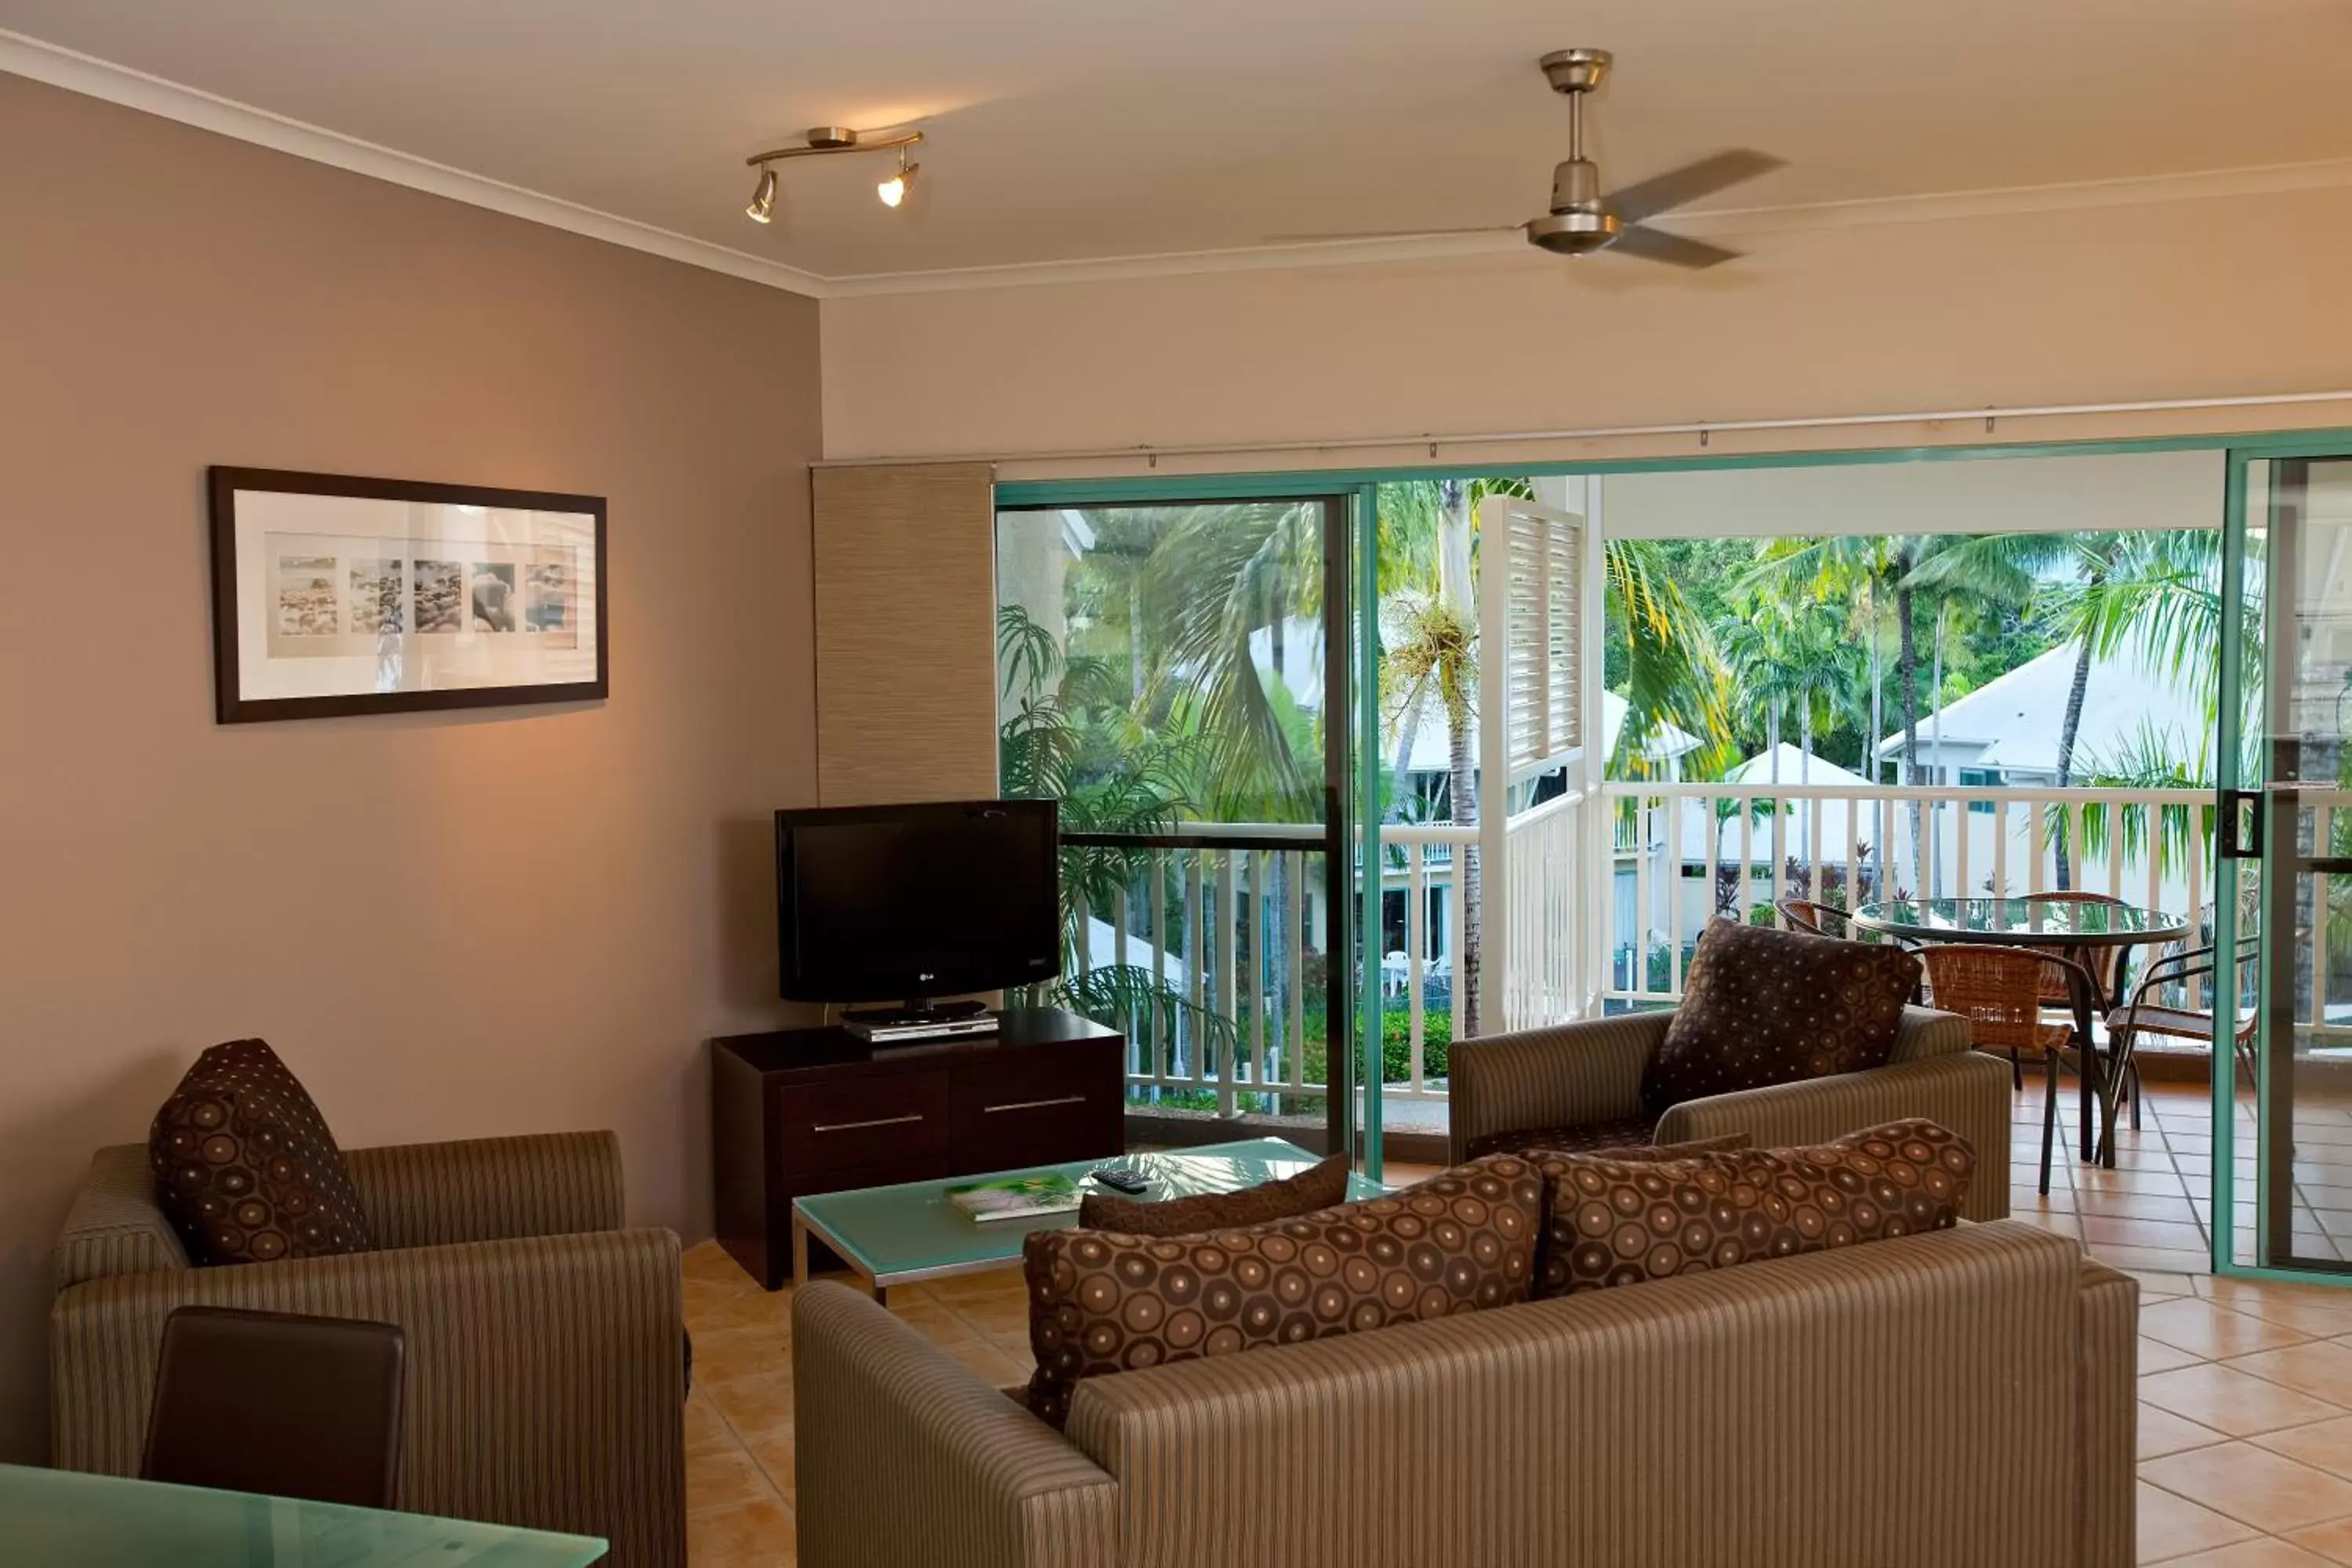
1102, 1303
245, 1167
1616, 1223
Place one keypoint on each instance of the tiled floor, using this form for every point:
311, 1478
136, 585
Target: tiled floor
2245, 1436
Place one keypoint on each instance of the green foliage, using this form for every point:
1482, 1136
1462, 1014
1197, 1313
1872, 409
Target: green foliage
1396, 1046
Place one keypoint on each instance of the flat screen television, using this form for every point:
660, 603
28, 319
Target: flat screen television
900, 904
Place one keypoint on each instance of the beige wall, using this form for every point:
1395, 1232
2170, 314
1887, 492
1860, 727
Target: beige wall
2211, 297
451, 926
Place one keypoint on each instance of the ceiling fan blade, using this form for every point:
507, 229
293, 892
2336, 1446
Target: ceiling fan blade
1383, 234
1660, 193
1657, 245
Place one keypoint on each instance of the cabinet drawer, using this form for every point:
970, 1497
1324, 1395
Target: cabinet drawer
1001, 1117
861, 1120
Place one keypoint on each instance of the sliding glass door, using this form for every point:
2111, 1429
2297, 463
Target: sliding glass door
2282, 997
1179, 674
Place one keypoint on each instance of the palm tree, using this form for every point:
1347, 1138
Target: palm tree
1674, 675
1859, 569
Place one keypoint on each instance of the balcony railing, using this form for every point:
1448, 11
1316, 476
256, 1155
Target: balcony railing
1229, 917
1687, 852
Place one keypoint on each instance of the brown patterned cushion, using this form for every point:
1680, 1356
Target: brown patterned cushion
1100, 1302
1617, 1222
1763, 1006
1319, 1186
245, 1167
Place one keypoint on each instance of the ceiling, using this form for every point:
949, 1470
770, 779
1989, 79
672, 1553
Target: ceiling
1060, 131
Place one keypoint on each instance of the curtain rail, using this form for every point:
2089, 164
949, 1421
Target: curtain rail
1147, 452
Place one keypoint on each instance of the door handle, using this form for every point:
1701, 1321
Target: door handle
861, 1126
1034, 1104
2229, 845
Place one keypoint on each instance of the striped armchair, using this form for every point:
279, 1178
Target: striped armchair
546, 1384
1588, 1076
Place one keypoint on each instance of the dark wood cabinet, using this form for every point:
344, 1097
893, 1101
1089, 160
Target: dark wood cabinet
817, 1110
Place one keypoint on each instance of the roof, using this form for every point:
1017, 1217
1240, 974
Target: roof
2018, 715
1703, 835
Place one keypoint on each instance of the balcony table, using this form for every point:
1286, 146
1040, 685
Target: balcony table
2070, 928
67, 1519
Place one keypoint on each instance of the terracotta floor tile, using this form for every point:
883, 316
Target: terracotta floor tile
2255, 1486
709, 1261
2326, 1445
705, 1431
721, 1354
2141, 1206
996, 1314
2233, 1402
753, 1308
2167, 1184
772, 1452
2154, 1286
2161, 1433
751, 1535
760, 1403
2101, 1230
2332, 1540
999, 1369
2212, 1332
2322, 1368
2156, 1356
958, 1288
2172, 1526
935, 1321
724, 1478
2055, 1223
2163, 1260
2263, 1551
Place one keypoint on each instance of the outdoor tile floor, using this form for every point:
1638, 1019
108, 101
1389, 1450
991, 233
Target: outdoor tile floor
2245, 1414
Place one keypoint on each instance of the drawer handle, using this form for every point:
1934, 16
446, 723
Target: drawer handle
1035, 1104
861, 1126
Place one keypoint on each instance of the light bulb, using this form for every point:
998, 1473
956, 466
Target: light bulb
764, 201
894, 190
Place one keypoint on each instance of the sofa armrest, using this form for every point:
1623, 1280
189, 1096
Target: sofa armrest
1784, 1411
486, 1189
545, 1385
1966, 1092
1557, 1077
903, 1455
115, 1226
2109, 1443
1924, 1032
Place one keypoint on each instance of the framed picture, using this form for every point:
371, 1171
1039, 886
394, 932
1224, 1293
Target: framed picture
335, 595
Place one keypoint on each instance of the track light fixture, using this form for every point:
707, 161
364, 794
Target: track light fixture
894, 190
763, 200
827, 139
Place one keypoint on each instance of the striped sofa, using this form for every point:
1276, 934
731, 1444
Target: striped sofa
546, 1387
1952, 1400
1590, 1074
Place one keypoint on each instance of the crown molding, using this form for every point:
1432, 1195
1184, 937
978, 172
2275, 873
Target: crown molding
94, 78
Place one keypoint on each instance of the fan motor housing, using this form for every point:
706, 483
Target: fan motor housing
1574, 233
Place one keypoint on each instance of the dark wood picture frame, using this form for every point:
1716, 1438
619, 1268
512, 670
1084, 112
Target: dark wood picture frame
230, 708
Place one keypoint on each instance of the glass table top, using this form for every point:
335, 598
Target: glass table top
2052, 920
64, 1518
912, 1229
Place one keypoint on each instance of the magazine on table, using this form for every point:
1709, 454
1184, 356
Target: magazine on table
1016, 1197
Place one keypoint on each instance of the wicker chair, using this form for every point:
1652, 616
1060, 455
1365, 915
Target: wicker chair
1812, 916
2100, 961
2144, 1013
2000, 992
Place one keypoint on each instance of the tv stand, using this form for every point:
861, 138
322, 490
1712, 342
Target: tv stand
815, 1110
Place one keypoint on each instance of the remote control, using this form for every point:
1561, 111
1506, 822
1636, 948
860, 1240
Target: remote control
1129, 1179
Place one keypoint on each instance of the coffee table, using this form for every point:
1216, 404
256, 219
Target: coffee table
905, 1233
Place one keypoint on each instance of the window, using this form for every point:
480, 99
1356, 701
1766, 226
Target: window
1981, 778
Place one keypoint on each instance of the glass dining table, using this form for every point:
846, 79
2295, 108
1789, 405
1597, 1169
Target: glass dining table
2076, 929
67, 1519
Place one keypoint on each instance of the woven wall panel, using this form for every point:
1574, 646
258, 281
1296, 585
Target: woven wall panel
906, 633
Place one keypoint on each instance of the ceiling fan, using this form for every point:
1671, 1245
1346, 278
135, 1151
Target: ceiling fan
1583, 218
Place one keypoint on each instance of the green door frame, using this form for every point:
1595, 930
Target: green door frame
2229, 771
